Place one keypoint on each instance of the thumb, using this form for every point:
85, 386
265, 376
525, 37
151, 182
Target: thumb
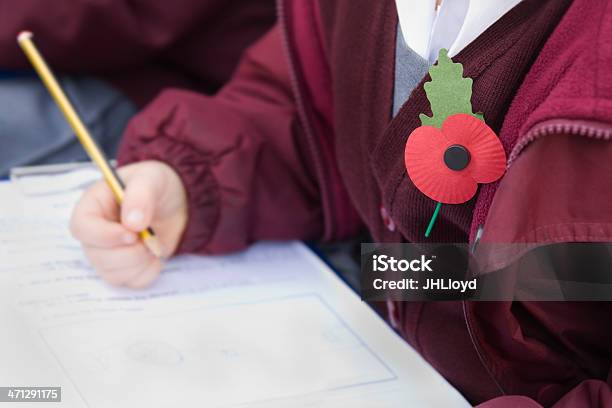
139, 201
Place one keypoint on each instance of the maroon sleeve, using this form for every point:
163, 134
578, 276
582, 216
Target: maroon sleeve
98, 35
238, 154
589, 394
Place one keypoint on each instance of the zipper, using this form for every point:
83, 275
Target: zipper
596, 130
306, 123
479, 352
479, 233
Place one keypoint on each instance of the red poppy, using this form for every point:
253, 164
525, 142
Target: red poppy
447, 164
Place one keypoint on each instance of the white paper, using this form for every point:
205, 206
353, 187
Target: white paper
268, 327
50, 184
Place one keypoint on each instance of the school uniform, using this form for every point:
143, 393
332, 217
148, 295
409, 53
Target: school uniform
305, 143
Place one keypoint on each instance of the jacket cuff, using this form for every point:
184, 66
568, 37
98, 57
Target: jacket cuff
203, 195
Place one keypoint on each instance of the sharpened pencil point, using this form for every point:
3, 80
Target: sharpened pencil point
153, 244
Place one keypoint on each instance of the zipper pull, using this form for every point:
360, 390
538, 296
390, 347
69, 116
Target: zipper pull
479, 232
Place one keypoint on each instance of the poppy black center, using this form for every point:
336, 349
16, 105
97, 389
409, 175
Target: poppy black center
457, 157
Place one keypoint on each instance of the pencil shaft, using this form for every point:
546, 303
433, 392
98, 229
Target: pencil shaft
80, 130
57, 93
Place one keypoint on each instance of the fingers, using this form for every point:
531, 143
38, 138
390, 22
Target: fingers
94, 220
96, 232
132, 266
141, 194
109, 234
147, 276
119, 258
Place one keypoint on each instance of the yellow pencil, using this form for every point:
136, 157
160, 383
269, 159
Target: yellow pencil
97, 156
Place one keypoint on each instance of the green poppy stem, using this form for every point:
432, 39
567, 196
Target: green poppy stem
433, 220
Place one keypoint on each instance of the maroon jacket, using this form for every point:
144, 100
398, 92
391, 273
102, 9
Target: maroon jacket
142, 46
301, 144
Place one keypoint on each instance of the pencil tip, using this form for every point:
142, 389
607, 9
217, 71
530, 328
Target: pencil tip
153, 244
25, 34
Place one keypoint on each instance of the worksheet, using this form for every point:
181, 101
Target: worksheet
271, 326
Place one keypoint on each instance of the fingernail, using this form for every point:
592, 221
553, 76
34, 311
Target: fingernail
129, 238
135, 216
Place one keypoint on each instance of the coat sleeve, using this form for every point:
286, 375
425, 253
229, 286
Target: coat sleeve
238, 153
588, 394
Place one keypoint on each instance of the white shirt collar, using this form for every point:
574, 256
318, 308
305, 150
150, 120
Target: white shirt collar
455, 25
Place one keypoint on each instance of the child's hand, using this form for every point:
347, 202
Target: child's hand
154, 197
